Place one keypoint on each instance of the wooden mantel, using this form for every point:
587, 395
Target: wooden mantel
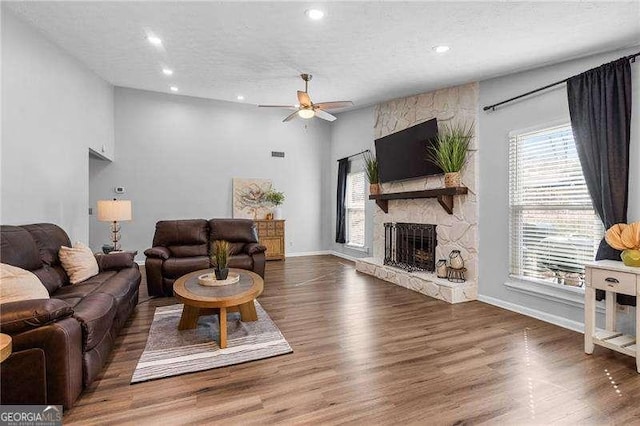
444, 196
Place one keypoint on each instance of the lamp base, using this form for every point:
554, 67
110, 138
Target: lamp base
115, 235
107, 248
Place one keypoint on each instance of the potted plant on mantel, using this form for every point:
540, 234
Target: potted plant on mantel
275, 198
449, 152
371, 170
220, 259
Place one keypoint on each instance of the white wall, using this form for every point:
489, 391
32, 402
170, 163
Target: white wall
350, 134
493, 129
53, 110
177, 156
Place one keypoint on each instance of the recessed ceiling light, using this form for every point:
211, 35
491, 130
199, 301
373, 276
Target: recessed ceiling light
167, 71
173, 88
315, 14
154, 40
240, 98
441, 49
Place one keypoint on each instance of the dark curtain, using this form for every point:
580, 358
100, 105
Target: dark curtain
600, 109
341, 212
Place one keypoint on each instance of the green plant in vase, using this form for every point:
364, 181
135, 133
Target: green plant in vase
449, 151
371, 170
220, 259
275, 198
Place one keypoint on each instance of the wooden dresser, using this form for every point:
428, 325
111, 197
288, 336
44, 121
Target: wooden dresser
271, 235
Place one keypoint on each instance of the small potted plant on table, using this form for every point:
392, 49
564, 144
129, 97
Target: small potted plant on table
275, 198
220, 259
449, 152
371, 169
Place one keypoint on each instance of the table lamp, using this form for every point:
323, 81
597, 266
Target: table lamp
114, 211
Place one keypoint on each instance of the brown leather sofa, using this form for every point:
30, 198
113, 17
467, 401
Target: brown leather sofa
61, 344
182, 246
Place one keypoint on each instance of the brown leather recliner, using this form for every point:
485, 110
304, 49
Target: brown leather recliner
182, 246
61, 344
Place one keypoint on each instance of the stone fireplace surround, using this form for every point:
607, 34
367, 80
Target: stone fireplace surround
457, 231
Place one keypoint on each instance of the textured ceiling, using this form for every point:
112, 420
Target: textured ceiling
361, 51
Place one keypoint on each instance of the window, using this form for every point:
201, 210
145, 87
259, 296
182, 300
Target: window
553, 227
355, 208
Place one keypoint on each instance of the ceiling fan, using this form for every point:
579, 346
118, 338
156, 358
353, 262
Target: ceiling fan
306, 108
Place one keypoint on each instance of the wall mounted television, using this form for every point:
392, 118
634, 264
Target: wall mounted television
403, 155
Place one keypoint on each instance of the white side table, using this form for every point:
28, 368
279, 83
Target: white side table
613, 277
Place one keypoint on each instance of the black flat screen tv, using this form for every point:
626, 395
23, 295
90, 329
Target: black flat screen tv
403, 155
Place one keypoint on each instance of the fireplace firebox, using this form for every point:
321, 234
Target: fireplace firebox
410, 246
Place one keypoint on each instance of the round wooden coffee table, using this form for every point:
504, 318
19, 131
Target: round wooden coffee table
5, 346
202, 300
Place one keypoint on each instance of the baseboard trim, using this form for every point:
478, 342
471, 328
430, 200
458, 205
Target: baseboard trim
534, 313
309, 253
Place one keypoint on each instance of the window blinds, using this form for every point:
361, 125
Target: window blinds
355, 208
553, 227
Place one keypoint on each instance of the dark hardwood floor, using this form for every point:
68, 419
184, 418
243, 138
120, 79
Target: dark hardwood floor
366, 351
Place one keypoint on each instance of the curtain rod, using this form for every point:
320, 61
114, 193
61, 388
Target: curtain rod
631, 58
355, 155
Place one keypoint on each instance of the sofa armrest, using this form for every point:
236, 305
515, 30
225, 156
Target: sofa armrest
24, 378
61, 342
254, 248
116, 261
18, 317
158, 252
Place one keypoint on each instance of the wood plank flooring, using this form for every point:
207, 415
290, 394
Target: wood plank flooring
367, 351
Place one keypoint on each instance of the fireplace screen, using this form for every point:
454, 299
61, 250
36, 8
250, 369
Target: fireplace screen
410, 246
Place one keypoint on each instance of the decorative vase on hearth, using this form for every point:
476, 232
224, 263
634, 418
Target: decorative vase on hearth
441, 268
455, 259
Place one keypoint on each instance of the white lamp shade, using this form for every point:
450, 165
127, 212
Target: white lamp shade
114, 210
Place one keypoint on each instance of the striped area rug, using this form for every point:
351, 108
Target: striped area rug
170, 352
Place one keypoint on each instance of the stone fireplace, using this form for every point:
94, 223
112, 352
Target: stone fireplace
410, 246
456, 231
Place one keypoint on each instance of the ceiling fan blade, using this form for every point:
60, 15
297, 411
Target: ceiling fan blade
325, 115
279, 106
303, 98
334, 105
290, 117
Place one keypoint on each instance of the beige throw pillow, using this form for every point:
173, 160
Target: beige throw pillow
79, 262
17, 284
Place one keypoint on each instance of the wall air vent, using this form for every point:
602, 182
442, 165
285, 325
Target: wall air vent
279, 154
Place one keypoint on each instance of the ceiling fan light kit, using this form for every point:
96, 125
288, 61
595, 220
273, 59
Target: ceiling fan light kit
306, 113
307, 109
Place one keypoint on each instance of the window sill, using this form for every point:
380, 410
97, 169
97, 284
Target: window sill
572, 296
357, 248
